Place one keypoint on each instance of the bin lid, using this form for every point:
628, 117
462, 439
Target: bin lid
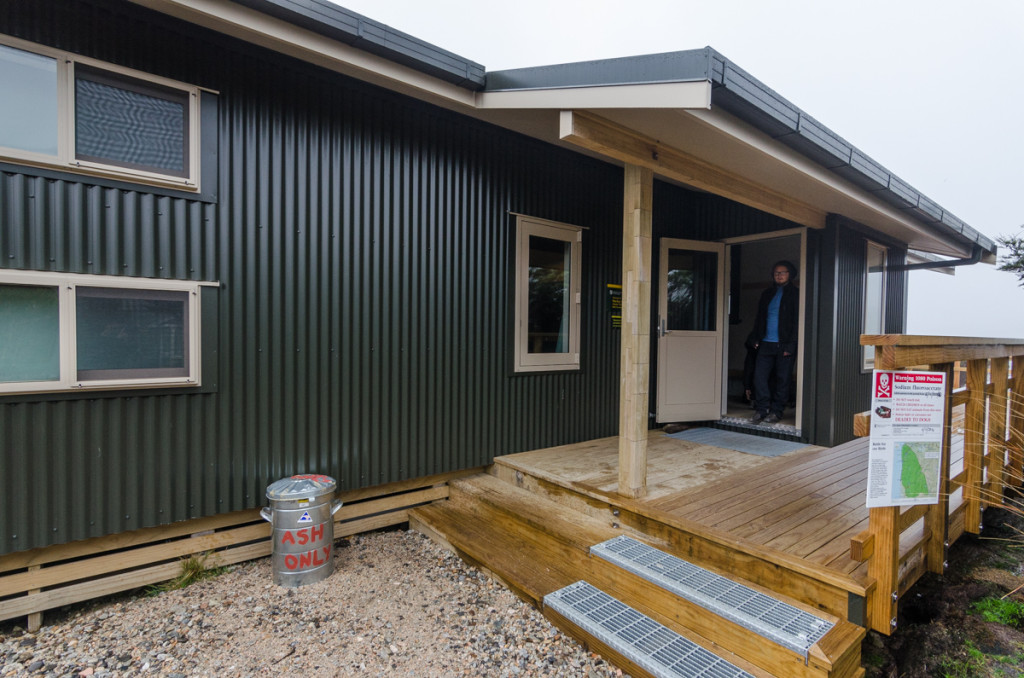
304, 486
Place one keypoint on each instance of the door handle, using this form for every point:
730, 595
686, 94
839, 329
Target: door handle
661, 327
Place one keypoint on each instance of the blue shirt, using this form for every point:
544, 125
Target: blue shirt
771, 332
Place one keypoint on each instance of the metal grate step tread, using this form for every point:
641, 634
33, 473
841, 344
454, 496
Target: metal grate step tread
774, 619
657, 649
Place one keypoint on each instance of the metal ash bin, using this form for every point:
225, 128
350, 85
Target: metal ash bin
301, 512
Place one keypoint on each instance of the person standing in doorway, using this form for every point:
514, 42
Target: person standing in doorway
775, 335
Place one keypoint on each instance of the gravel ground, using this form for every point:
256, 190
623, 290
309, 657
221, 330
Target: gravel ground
397, 604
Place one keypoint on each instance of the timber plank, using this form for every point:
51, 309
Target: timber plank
125, 560
535, 546
933, 340
804, 534
122, 540
789, 507
706, 546
604, 136
751, 485
698, 624
538, 515
795, 515
776, 495
76, 593
401, 486
833, 555
390, 503
826, 527
78, 571
147, 555
528, 564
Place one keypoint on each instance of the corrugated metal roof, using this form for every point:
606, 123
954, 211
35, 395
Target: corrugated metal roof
374, 37
739, 93
734, 90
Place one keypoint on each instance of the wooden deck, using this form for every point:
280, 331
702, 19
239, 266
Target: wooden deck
801, 508
808, 504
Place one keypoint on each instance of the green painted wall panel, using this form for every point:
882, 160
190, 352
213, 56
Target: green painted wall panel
363, 246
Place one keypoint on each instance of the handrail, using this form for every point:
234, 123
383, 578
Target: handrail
897, 551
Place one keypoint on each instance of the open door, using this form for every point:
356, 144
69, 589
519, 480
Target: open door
691, 325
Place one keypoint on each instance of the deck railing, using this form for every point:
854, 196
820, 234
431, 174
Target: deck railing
982, 456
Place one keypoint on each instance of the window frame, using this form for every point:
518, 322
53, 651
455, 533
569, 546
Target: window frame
546, 362
129, 79
868, 352
67, 285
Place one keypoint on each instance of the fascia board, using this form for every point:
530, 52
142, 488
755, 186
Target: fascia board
280, 36
675, 95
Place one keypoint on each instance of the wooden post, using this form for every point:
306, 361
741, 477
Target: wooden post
974, 439
936, 521
35, 619
1015, 472
1000, 368
884, 568
636, 330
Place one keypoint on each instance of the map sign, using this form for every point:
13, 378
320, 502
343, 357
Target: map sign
905, 458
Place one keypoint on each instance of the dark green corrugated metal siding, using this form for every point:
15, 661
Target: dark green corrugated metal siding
847, 387
363, 242
851, 387
681, 213
896, 290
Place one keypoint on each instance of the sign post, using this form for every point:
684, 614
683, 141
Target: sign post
905, 457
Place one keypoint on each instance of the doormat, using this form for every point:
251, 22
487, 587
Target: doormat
741, 442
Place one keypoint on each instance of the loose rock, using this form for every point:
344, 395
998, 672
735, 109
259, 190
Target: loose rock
397, 604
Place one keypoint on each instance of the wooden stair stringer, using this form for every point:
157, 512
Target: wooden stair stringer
520, 566
536, 546
823, 588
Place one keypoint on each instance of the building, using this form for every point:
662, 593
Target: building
241, 240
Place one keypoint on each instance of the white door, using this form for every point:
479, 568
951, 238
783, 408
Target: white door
691, 320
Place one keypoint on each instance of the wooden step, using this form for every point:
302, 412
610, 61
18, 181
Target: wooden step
634, 639
536, 546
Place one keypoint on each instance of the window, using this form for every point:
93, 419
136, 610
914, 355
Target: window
63, 332
547, 303
874, 299
64, 111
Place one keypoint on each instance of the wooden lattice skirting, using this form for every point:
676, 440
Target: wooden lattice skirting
50, 577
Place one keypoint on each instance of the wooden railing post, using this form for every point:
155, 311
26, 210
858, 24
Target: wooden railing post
936, 521
974, 444
993, 496
1015, 443
884, 567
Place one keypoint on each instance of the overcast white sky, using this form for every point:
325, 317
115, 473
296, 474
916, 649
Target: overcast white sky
932, 90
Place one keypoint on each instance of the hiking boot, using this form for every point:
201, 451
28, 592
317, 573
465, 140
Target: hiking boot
772, 418
758, 417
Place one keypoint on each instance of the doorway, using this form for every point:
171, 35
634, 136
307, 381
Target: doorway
707, 303
750, 262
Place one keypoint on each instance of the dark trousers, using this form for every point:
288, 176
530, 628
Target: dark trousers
769, 356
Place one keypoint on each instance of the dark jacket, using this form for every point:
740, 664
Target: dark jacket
789, 310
